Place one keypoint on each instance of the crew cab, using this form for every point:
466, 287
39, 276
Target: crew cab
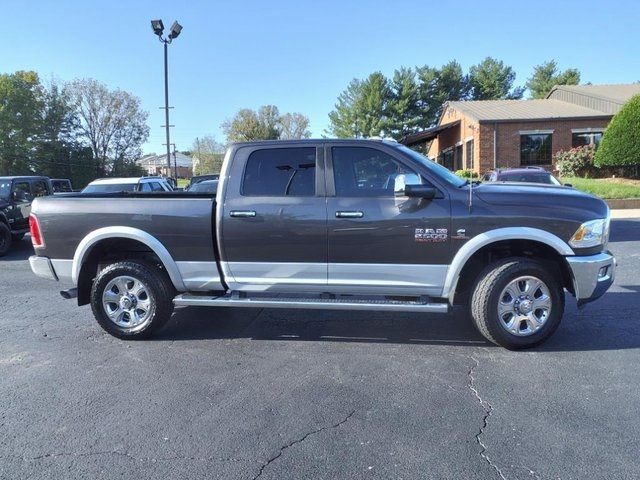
330, 224
16, 195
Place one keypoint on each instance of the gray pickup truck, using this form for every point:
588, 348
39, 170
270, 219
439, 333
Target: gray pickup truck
331, 224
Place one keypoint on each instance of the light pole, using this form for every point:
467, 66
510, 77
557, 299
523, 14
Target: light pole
158, 29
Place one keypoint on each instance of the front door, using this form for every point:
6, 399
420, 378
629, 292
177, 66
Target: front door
379, 241
22, 198
274, 219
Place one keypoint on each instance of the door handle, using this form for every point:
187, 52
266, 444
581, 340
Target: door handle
242, 213
354, 214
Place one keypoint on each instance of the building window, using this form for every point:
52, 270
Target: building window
535, 149
580, 139
470, 164
447, 158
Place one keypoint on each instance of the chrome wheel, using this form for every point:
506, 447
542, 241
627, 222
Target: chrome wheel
524, 306
127, 303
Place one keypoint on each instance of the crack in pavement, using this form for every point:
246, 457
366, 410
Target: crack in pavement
300, 440
488, 410
129, 456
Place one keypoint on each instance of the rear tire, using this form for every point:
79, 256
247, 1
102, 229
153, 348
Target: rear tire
5, 239
517, 303
132, 299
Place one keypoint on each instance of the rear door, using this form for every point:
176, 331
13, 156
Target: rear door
380, 242
272, 226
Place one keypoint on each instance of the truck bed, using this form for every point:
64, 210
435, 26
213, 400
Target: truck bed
181, 221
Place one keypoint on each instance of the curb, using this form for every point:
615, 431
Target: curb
623, 203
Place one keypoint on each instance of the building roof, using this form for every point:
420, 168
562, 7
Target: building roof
512, 110
427, 134
154, 160
618, 93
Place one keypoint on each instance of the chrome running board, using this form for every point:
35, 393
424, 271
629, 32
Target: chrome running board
236, 299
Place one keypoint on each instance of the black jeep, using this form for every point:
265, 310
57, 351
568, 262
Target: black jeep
16, 195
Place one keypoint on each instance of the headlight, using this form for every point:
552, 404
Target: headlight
591, 234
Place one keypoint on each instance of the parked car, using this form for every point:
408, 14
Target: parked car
294, 226
525, 174
133, 184
205, 186
61, 185
16, 195
201, 178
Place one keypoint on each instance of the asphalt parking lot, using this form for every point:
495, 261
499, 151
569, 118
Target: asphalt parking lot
277, 394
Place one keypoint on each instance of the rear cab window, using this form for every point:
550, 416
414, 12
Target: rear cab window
280, 172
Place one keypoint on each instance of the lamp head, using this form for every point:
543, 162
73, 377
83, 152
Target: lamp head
157, 26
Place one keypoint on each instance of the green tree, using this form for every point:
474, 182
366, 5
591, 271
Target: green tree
20, 120
56, 139
491, 79
249, 125
363, 108
546, 75
207, 155
620, 145
343, 119
404, 113
438, 86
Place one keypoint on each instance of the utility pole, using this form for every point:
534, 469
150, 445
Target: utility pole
158, 29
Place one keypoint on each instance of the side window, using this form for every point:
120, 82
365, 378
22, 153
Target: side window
22, 191
40, 188
280, 172
145, 187
366, 172
156, 187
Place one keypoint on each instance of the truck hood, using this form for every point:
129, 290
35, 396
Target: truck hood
554, 197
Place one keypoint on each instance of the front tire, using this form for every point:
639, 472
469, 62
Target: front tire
132, 299
5, 239
517, 303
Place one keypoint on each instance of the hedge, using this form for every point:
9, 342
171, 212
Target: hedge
620, 145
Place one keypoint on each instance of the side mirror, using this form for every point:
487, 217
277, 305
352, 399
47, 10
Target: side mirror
402, 180
420, 191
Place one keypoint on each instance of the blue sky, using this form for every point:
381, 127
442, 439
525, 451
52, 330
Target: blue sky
299, 55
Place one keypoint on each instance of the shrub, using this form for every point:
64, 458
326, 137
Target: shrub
467, 174
620, 145
577, 162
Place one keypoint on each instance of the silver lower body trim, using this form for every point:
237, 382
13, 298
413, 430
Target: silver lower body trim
200, 276
231, 300
592, 275
41, 267
348, 278
63, 269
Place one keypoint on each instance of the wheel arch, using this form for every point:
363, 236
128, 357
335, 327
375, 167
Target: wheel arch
82, 270
518, 238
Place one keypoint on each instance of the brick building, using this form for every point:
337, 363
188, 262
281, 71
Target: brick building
486, 134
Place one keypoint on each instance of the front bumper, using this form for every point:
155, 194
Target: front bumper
592, 276
42, 267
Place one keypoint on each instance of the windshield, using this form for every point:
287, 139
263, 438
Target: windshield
5, 189
435, 168
205, 187
110, 188
531, 178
